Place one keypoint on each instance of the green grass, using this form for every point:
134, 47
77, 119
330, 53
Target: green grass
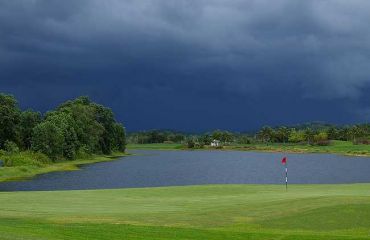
27, 167
193, 212
337, 147
156, 146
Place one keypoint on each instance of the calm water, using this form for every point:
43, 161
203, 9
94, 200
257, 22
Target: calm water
171, 168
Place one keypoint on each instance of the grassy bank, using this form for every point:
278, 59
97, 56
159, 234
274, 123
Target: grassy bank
156, 146
27, 167
194, 212
336, 147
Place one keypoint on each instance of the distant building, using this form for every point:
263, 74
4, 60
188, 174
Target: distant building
215, 143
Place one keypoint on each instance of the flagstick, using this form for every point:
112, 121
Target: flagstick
286, 171
286, 176
284, 161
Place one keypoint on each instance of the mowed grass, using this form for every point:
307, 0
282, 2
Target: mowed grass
191, 212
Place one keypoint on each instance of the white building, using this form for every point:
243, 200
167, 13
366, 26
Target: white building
215, 143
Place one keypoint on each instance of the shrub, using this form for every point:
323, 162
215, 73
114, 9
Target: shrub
321, 139
11, 147
323, 143
297, 136
364, 141
190, 143
83, 152
198, 145
27, 158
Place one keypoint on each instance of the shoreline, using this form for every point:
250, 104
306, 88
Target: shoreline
28, 172
335, 148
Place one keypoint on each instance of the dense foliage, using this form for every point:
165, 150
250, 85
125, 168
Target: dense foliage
156, 136
76, 127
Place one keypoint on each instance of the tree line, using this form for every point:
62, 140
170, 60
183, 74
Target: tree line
309, 133
358, 134
156, 136
78, 126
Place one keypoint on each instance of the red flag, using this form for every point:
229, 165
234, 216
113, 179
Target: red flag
283, 161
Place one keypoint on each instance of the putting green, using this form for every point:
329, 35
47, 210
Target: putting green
193, 212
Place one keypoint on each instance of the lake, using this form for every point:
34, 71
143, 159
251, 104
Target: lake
153, 168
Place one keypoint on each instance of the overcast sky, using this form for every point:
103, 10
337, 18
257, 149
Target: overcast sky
192, 65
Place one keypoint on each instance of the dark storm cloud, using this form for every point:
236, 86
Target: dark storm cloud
200, 64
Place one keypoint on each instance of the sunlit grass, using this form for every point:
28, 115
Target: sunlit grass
193, 212
29, 170
156, 146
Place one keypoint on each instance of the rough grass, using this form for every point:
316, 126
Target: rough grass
192, 212
26, 158
29, 164
156, 146
339, 147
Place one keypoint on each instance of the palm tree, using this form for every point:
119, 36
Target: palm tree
283, 134
266, 134
309, 135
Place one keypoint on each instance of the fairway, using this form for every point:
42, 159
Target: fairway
193, 212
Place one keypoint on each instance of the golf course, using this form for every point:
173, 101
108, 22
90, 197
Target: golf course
184, 120
143, 196
192, 212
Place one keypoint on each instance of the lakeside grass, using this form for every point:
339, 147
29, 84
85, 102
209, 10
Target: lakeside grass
29, 171
336, 147
156, 146
192, 212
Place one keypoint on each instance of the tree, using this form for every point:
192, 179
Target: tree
75, 125
244, 139
95, 126
297, 136
87, 129
9, 118
56, 136
355, 132
205, 139
119, 139
344, 134
176, 137
190, 143
333, 133
282, 134
28, 120
321, 138
105, 117
217, 135
309, 135
47, 138
227, 137
11, 147
223, 136
266, 134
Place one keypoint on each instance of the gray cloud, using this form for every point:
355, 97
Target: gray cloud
304, 50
